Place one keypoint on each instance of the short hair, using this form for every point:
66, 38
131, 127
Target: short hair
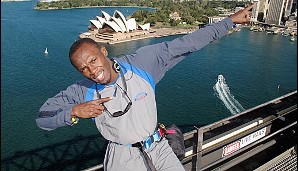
77, 44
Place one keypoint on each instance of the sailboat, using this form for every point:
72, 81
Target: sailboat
46, 51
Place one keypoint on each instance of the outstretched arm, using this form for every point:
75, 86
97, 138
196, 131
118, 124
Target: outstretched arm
158, 58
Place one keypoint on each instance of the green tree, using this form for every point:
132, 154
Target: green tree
162, 16
152, 20
189, 19
138, 15
211, 12
174, 22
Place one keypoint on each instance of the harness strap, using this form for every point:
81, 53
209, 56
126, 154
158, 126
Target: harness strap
155, 137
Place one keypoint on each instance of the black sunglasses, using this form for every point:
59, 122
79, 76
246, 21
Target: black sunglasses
118, 113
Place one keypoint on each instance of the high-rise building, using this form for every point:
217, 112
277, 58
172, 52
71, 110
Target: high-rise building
263, 10
277, 10
272, 11
288, 8
255, 10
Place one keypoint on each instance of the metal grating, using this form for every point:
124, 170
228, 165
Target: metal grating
287, 161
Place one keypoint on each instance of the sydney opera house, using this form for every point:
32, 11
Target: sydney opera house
108, 29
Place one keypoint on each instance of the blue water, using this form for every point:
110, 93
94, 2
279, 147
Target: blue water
253, 65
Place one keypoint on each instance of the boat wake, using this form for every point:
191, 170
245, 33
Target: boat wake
223, 93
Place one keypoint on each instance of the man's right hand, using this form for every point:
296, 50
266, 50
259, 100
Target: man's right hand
242, 16
90, 109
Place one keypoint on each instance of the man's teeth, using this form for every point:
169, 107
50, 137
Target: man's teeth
100, 76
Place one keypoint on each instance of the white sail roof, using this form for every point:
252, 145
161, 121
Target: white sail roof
145, 26
131, 24
105, 15
120, 23
118, 14
96, 23
113, 25
117, 22
101, 20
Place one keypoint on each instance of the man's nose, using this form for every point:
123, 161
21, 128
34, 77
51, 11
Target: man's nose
92, 70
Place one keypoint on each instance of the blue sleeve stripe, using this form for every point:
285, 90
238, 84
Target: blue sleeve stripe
91, 90
143, 74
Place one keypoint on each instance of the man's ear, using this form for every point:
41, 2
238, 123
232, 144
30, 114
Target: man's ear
104, 51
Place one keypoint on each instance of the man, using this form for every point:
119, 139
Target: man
120, 96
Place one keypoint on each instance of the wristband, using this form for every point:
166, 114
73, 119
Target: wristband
75, 120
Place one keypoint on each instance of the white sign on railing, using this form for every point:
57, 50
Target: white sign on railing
236, 145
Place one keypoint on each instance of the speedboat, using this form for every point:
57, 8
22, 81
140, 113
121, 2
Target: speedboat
220, 79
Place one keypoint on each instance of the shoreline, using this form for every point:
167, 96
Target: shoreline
115, 38
14, 0
56, 8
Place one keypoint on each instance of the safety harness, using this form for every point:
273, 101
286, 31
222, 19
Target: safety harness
155, 137
159, 133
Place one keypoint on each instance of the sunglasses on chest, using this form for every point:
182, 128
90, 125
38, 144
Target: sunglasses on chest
118, 113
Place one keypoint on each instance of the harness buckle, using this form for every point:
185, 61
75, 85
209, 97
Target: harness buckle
157, 136
162, 126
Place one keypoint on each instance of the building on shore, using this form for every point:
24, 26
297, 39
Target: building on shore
273, 11
108, 29
117, 29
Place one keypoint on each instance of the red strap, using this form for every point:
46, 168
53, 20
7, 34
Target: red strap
170, 131
160, 131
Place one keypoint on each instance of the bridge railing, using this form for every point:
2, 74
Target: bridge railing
223, 144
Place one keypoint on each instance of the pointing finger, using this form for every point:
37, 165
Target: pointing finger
102, 100
249, 7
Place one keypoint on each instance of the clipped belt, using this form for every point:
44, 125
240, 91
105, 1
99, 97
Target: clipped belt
155, 137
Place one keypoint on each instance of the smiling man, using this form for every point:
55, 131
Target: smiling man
119, 94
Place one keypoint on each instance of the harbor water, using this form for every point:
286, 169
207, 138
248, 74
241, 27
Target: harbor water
257, 67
